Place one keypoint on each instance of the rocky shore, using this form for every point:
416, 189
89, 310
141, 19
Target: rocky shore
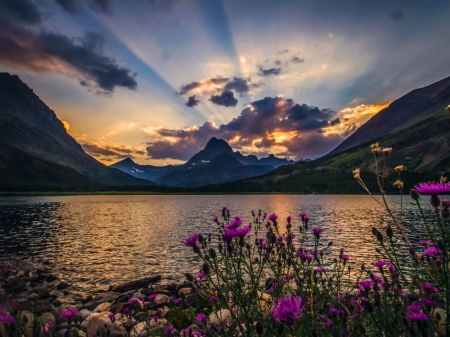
44, 302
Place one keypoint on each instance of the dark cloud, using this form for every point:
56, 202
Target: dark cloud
397, 14
257, 125
226, 99
70, 6
240, 85
277, 62
269, 72
102, 6
283, 51
195, 85
109, 151
23, 11
192, 101
296, 59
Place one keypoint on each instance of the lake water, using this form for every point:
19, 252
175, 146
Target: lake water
99, 240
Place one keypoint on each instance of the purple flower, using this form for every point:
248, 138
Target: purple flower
431, 251
176, 301
4, 317
318, 270
168, 330
345, 258
232, 225
432, 187
426, 301
288, 309
273, 217
241, 232
425, 243
391, 268
216, 219
418, 316
414, 307
289, 219
133, 300
317, 231
200, 276
306, 219
69, 313
445, 204
125, 310
367, 284
329, 323
213, 299
429, 288
380, 264
201, 317
112, 317
224, 208
229, 235
152, 297
191, 241
302, 215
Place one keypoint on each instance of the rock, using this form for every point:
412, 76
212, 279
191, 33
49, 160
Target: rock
37, 278
191, 299
33, 297
134, 284
120, 319
172, 287
43, 306
183, 292
123, 298
86, 321
103, 307
84, 313
118, 331
221, 316
162, 299
137, 329
26, 316
164, 311
42, 292
99, 299
81, 333
147, 291
86, 298
42, 269
51, 278
62, 285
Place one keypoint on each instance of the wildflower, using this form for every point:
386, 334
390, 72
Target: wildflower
366, 284
387, 150
289, 219
414, 307
302, 215
425, 243
430, 251
133, 300
273, 217
233, 224
356, 173
318, 270
329, 323
224, 208
241, 232
112, 317
4, 317
201, 317
428, 287
168, 330
400, 168
391, 268
191, 241
229, 235
399, 184
432, 188
213, 299
375, 148
418, 316
445, 204
374, 145
306, 219
426, 301
216, 219
288, 309
176, 301
317, 231
152, 297
345, 258
447, 108
380, 264
200, 276
69, 313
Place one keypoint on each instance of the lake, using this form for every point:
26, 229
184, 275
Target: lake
98, 240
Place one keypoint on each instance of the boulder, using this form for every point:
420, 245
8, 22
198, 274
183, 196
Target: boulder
191, 299
183, 292
62, 285
121, 287
33, 297
43, 292
220, 317
43, 306
162, 299
103, 307
84, 313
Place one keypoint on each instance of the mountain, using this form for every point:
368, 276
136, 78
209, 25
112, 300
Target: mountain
219, 169
148, 172
411, 108
36, 150
203, 168
416, 126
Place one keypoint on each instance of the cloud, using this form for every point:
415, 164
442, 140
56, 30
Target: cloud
283, 51
277, 62
70, 6
192, 101
23, 11
24, 46
208, 85
397, 14
66, 126
269, 72
296, 59
102, 6
105, 152
226, 99
268, 123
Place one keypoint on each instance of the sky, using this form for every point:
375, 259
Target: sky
154, 80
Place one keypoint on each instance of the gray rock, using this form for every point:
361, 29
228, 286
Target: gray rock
43, 292
191, 299
183, 292
43, 306
172, 287
33, 297
162, 299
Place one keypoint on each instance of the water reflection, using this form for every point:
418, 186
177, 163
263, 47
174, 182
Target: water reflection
97, 240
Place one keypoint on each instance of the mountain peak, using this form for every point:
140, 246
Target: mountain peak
126, 161
217, 144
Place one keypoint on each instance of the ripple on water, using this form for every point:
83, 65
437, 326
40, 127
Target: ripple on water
96, 240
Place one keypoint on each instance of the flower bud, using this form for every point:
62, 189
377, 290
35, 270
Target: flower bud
206, 269
212, 253
196, 249
445, 213
189, 277
435, 201
389, 231
379, 237
259, 328
330, 243
200, 238
220, 247
414, 195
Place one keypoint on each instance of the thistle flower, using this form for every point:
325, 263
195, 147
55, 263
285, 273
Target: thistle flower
374, 146
133, 300
289, 219
367, 284
318, 270
345, 258
399, 184
431, 251
418, 316
357, 173
200, 276
317, 231
69, 313
387, 150
445, 204
432, 188
200, 317
448, 108
168, 330
152, 297
400, 168
273, 217
233, 225
414, 307
429, 288
176, 301
426, 301
112, 317
216, 219
213, 299
4, 317
191, 241
241, 232
287, 309
379, 264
